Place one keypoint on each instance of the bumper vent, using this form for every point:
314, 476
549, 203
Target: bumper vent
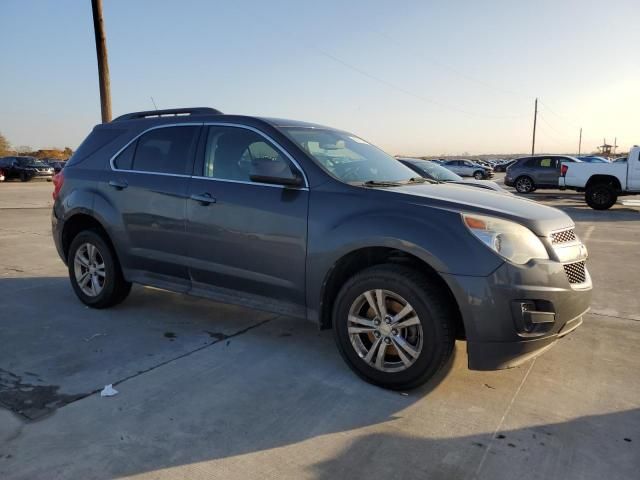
564, 236
576, 272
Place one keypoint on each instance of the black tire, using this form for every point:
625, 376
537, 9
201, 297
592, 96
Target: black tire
601, 196
115, 288
432, 306
524, 184
478, 175
24, 177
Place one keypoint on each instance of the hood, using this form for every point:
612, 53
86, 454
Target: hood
486, 184
539, 218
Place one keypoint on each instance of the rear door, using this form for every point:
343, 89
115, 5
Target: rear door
148, 186
246, 240
547, 171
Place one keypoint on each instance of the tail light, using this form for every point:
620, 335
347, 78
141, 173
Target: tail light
58, 180
563, 169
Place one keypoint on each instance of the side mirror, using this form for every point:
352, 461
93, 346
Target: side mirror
277, 172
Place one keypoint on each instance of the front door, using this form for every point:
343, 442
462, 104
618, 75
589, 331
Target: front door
247, 240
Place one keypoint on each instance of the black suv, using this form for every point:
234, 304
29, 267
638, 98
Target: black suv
25, 168
317, 223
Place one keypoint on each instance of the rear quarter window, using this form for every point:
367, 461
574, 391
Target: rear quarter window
97, 139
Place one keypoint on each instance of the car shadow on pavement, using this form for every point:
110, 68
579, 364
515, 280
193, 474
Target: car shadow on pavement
590, 447
199, 370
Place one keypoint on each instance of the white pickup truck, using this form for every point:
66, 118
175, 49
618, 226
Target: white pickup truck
603, 183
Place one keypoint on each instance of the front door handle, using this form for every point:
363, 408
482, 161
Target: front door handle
203, 198
118, 184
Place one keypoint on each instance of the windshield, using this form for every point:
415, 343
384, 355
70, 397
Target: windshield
435, 171
349, 158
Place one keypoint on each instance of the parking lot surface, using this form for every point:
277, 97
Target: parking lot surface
212, 391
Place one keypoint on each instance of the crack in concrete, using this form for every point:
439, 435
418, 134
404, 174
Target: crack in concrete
631, 319
504, 417
57, 400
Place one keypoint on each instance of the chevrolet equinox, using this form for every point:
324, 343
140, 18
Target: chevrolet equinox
317, 223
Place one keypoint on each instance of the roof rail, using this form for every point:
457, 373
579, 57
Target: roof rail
168, 112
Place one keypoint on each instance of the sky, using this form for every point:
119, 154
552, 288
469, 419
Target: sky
413, 77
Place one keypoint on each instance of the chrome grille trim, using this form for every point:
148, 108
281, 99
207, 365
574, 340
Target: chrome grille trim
576, 272
564, 236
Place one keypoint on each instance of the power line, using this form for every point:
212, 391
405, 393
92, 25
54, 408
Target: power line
454, 70
408, 92
565, 119
304, 42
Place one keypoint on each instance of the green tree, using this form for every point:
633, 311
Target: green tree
5, 146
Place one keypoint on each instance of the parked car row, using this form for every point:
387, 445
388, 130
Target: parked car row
25, 169
432, 171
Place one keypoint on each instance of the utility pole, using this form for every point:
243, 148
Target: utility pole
535, 118
103, 63
580, 142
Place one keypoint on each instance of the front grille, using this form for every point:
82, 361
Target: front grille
564, 236
576, 272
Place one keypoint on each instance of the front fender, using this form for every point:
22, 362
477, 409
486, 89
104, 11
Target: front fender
339, 226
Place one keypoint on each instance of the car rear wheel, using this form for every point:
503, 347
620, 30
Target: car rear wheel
478, 175
524, 184
94, 271
393, 326
601, 196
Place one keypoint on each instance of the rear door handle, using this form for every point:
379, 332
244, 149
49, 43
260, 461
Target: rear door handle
118, 184
203, 198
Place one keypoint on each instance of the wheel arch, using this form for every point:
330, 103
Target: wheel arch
359, 259
79, 222
611, 180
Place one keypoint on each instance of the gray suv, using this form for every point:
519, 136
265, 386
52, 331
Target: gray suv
527, 174
316, 223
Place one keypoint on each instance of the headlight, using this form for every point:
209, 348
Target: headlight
508, 239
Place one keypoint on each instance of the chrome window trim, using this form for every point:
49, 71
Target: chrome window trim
273, 185
220, 124
111, 160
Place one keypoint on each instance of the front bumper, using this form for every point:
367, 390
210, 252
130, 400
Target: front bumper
508, 181
500, 334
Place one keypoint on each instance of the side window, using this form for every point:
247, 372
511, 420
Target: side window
531, 163
124, 161
547, 163
231, 151
166, 150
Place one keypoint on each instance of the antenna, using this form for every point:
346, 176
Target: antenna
154, 103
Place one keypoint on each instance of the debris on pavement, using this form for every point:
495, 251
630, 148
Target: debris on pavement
108, 391
95, 335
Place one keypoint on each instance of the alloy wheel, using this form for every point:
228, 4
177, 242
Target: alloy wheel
524, 185
385, 330
89, 269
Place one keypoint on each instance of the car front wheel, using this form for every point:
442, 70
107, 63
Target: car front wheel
94, 271
478, 175
393, 326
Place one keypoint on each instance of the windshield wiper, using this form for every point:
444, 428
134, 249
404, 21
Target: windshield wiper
381, 183
419, 180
